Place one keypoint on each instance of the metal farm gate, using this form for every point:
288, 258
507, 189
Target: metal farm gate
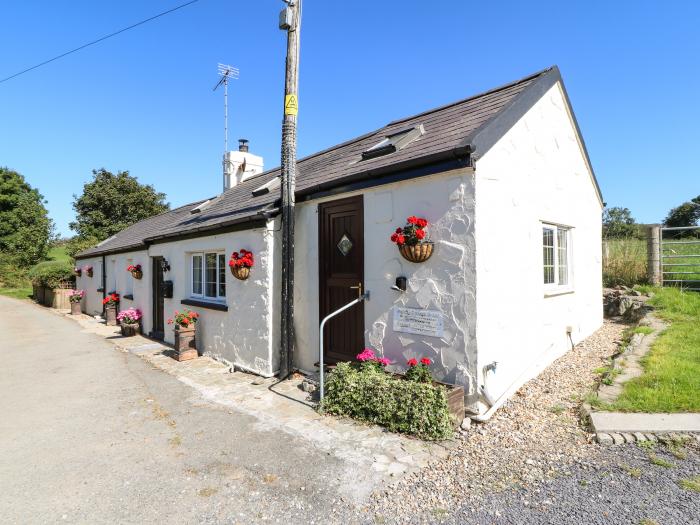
680, 257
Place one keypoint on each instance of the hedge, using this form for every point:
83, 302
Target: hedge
51, 273
372, 395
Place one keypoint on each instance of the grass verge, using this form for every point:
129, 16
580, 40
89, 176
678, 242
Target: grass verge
671, 378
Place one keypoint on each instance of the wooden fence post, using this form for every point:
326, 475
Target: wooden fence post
654, 255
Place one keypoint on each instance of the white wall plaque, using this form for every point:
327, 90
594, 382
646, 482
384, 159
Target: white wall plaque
417, 321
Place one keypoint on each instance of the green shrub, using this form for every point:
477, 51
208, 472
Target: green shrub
11, 274
51, 273
378, 397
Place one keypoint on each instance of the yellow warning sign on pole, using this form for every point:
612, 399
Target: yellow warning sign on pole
291, 105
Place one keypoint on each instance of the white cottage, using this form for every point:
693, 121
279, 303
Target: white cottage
514, 208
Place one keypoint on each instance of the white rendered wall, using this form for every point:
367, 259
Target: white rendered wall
535, 173
444, 283
244, 335
92, 301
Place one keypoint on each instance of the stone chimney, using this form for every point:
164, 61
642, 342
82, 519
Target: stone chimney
240, 165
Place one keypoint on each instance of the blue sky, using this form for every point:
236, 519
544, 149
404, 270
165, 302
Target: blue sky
143, 100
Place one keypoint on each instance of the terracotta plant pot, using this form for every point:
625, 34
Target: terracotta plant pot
75, 309
418, 253
240, 272
111, 315
130, 330
137, 274
185, 343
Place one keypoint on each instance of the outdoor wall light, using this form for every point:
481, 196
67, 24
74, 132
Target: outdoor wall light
164, 265
400, 285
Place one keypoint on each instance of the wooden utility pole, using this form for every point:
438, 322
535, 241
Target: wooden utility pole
290, 20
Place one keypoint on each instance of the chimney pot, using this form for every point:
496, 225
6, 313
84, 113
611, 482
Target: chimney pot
243, 145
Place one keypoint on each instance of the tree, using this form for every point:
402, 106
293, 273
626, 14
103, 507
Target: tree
687, 214
25, 227
110, 203
618, 222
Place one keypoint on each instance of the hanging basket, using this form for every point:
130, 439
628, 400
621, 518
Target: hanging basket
417, 253
137, 274
240, 272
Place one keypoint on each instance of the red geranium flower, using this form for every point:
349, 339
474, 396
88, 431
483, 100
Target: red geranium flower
420, 234
412, 362
400, 239
426, 361
412, 219
421, 223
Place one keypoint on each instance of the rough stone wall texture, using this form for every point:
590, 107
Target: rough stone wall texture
535, 173
445, 283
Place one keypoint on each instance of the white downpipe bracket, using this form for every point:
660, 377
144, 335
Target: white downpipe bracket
363, 297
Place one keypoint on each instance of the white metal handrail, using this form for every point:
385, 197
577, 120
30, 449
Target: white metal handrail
363, 297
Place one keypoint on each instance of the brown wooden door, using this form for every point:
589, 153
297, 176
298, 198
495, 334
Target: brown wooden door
341, 266
158, 331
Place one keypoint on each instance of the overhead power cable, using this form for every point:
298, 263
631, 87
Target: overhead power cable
98, 40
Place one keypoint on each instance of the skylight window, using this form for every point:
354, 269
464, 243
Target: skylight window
393, 142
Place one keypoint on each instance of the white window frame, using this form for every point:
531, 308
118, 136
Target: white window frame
202, 296
557, 287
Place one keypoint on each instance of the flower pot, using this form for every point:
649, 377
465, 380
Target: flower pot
137, 274
185, 343
75, 308
240, 272
111, 315
129, 330
89, 273
417, 253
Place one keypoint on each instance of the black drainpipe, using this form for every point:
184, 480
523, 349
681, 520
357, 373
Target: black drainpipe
104, 281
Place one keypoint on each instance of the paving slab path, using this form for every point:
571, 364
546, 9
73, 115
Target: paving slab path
89, 434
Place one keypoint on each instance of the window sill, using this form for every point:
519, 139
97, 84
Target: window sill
205, 304
128, 296
556, 293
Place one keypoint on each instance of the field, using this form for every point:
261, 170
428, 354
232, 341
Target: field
625, 262
23, 289
671, 379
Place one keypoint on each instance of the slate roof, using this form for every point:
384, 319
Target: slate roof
451, 131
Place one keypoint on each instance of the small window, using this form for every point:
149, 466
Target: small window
556, 243
209, 275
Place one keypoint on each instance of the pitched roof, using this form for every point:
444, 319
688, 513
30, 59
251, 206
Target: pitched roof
454, 130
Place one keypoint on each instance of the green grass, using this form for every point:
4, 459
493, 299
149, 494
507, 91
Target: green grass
660, 462
691, 484
671, 378
17, 293
646, 330
23, 288
58, 253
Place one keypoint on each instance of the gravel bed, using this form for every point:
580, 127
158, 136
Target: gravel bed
535, 436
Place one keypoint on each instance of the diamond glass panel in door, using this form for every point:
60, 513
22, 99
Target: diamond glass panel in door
210, 275
548, 255
562, 255
197, 275
344, 244
222, 275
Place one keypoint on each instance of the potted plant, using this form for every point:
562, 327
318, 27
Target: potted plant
412, 241
185, 334
88, 270
135, 270
75, 297
77, 271
241, 263
129, 321
110, 304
